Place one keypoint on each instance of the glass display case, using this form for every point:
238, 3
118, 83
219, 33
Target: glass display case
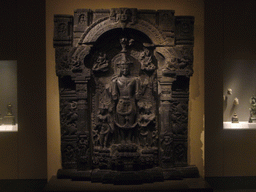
8, 92
239, 94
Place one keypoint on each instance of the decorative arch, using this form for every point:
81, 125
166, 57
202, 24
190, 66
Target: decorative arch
106, 24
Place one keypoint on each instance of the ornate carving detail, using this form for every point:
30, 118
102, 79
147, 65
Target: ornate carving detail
124, 15
146, 116
81, 90
179, 117
180, 65
67, 61
146, 61
100, 63
68, 151
83, 151
180, 153
63, 25
167, 20
184, 30
167, 148
69, 117
81, 19
94, 31
61, 58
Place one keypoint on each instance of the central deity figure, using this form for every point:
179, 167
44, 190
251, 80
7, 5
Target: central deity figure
125, 93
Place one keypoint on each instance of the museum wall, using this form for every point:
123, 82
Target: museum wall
22, 37
230, 54
229, 36
196, 106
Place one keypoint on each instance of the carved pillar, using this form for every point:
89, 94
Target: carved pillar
74, 109
166, 134
83, 146
179, 118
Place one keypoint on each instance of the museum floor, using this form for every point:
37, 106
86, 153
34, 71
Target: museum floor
235, 190
41, 186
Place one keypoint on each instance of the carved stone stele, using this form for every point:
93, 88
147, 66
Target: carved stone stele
124, 91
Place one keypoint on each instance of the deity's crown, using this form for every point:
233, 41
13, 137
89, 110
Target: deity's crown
124, 60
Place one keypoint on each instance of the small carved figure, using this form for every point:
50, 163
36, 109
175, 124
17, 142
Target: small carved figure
62, 28
123, 15
81, 19
236, 101
96, 137
69, 152
229, 91
166, 143
146, 61
104, 126
100, 63
144, 133
9, 110
75, 65
252, 109
179, 64
9, 119
146, 115
170, 67
69, 118
235, 118
179, 118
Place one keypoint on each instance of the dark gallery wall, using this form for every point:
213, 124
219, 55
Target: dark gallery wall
230, 36
22, 37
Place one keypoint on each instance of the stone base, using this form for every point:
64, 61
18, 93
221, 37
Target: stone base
129, 177
189, 184
9, 120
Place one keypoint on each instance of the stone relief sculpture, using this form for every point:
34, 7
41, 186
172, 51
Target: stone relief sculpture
124, 92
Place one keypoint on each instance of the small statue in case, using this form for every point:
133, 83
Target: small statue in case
252, 109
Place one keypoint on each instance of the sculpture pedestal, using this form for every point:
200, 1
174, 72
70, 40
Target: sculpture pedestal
156, 174
9, 120
190, 184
